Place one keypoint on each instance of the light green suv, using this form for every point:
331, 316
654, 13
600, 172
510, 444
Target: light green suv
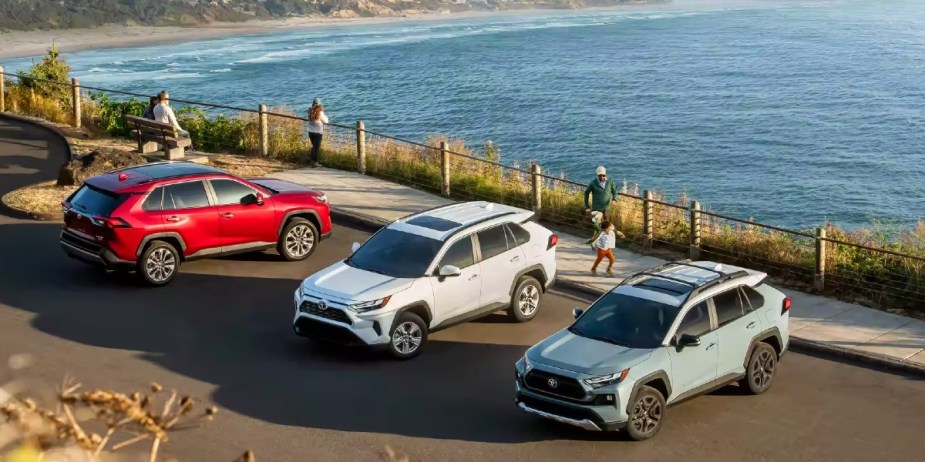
662, 336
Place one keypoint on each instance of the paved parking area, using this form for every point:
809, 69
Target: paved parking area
222, 332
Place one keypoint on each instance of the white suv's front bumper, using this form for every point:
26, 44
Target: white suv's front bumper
334, 322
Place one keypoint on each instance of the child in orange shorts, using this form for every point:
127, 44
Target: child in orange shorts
605, 244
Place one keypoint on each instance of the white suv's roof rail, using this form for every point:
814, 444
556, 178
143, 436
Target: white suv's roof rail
465, 220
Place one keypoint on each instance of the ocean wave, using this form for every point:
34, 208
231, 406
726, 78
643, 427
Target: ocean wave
227, 69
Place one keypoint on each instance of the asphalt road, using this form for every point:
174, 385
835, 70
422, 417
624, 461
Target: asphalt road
221, 331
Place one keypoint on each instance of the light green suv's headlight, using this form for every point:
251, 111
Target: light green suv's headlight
528, 366
604, 380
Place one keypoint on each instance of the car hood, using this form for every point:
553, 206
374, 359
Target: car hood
284, 187
565, 350
353, 284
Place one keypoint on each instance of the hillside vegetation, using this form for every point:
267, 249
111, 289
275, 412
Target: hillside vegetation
57, 14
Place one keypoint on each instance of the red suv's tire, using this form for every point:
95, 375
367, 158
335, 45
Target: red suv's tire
158, 264
298, 240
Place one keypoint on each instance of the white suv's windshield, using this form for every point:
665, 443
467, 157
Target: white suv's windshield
396, 253
627, 321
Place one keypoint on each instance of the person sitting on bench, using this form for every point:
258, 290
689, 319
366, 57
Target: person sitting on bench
163, 113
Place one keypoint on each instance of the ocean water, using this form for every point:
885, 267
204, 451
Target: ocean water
791, 112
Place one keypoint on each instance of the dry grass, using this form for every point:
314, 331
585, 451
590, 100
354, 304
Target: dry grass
40, 198
95, 425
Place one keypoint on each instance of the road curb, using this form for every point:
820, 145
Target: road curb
42, 124
857, 356
15, 212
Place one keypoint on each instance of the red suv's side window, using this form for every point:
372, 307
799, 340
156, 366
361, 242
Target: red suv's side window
154, 201
188, 195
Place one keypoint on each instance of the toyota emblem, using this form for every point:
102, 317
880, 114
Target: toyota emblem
553, 383
322, 305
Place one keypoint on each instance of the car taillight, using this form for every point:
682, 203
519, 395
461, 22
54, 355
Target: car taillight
786, 306
553, 240
111, 223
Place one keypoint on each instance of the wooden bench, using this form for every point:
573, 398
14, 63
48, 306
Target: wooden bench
154, 136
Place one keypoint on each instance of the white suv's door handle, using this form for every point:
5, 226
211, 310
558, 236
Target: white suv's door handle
173, 218
473, 276
710, 347
751, 324
516, 257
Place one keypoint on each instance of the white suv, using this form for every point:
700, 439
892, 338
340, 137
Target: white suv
429, 271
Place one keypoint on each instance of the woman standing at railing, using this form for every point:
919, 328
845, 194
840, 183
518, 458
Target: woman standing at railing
316, 121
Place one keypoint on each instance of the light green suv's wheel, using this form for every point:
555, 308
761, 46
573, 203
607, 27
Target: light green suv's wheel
647, 414
762, 367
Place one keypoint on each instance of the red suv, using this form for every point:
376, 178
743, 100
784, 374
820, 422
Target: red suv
152, 217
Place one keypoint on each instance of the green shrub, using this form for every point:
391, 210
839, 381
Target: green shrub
50, 77
110, 114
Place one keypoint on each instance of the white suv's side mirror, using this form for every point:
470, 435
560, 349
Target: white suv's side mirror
356, 246
447, 271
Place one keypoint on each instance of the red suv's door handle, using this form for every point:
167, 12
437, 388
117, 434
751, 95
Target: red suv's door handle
173, 218
227, 215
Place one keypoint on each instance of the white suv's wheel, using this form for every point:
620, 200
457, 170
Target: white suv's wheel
408, 336
525, 301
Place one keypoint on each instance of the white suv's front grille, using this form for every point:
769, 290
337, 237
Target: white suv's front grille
322, 310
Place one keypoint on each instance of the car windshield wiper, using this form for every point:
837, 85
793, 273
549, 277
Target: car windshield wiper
372, 270
605, 340
576, 331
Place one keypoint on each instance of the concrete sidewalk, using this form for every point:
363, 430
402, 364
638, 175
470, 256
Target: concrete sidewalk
816, 322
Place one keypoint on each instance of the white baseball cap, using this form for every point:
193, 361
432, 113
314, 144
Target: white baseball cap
601, 170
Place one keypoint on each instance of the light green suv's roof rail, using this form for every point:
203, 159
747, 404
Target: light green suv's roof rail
695, 288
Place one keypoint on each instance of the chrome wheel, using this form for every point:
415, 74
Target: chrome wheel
647, 414
529, 300
300, 240
407, 338
762, 369
160, 265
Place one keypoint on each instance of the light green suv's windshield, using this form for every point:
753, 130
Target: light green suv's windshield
627, 321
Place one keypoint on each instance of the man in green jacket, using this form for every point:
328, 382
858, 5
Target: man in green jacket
602, 194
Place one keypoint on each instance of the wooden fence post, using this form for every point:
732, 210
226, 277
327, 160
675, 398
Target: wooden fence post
361, 147
695, 230
537, 184
264, 130
2, 90
647, 212
445, 163
820, 259
75, 101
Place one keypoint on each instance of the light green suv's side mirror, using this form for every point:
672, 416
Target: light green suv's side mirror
577, 312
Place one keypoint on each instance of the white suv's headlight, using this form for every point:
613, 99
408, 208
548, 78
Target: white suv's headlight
604, 380
370, 306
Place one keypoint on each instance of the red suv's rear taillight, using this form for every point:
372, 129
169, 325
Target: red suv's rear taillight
786, 306
553, 240
111, 223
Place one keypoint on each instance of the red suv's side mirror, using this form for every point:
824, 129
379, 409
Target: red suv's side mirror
252, 199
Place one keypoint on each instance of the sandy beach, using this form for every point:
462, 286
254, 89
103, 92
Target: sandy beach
18, 44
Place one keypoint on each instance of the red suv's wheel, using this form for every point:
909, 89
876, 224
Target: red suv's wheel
298, 240
158, 264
